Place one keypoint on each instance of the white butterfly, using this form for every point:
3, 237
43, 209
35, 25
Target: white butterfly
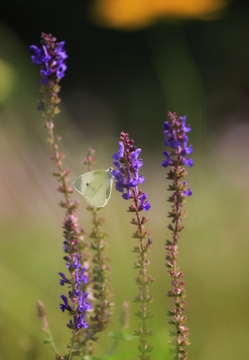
96, 186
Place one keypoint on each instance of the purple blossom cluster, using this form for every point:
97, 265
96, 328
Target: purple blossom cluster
76, 281
127, 173
50, 57
175, 137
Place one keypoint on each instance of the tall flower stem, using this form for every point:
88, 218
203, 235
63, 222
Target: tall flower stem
99, 275
127, 179
175, 137
50, 57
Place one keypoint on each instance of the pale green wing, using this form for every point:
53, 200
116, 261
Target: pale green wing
96, 186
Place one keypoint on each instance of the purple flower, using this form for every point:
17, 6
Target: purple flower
82, 278
136, 164
167, 126
119, 178
65, 306
187, 192
71, 324
127, 173
45, 57
144, 202
83, 306
38, 54
80, 323
76, 293
126, 196
184, 127
51, 58
189, 162
120, 153
166, 162
186, 149
174, 142
61, 68
176, 138
76, 263
64, 280
60, 51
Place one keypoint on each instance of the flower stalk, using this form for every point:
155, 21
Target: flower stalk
99, 285
127, 179
50, 57
175, 137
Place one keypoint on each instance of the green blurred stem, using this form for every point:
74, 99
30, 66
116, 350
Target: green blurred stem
71, 349
58, 162
51, 340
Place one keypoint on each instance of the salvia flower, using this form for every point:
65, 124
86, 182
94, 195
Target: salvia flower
77, 278
127, 173
127, 179
175, 132
51, 57
175, 137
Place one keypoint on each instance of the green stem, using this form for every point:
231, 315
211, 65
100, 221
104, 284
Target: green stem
71, 349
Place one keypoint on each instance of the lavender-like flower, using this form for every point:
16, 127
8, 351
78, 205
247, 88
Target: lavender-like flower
127, 179
50, 57
175, 137
77, 277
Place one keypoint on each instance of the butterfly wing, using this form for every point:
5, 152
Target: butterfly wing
95, 186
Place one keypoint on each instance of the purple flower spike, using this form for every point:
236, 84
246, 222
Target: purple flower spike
177, 139
127, 176
51, 58
127, 179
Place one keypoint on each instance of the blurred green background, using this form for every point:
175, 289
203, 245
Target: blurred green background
127, 79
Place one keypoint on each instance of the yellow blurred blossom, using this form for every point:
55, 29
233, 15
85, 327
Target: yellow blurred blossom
137, 14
